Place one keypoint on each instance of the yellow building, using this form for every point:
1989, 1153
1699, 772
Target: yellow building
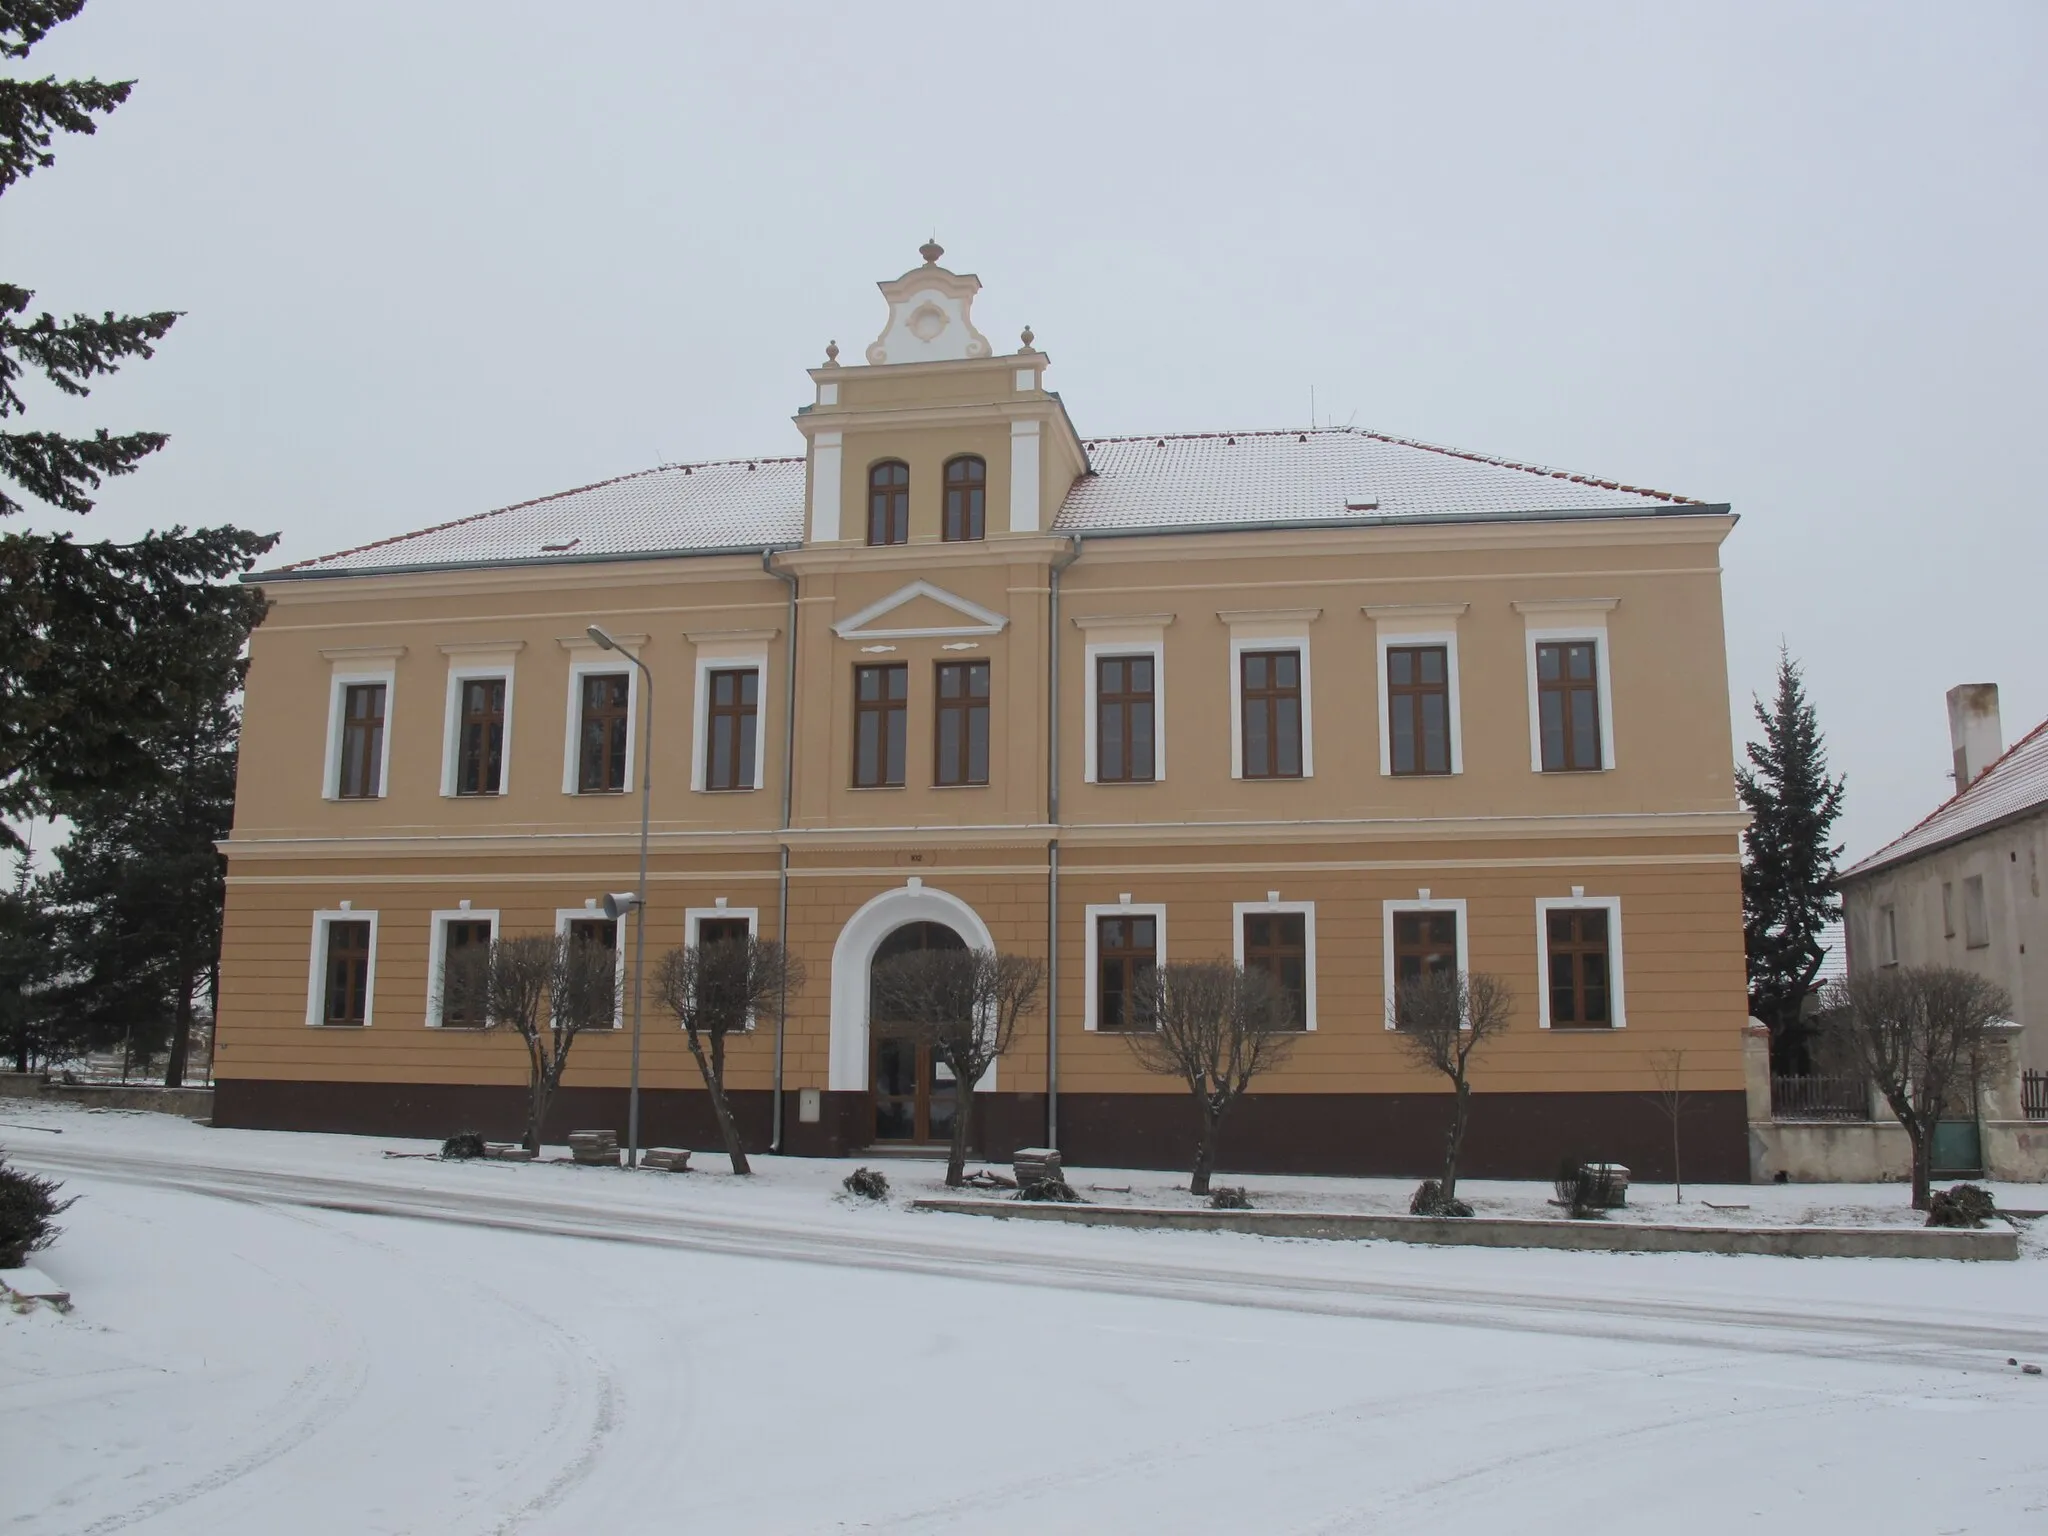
1328, 702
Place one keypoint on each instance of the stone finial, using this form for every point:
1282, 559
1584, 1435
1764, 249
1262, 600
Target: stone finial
1027, 338
831, 354
931, 251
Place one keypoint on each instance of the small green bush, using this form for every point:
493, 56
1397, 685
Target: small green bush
1226, 1198
1962, 1205
868, 1184
462, 1146
29, 1209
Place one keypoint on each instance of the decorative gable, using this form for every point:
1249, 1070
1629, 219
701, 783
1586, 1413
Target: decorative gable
919, 611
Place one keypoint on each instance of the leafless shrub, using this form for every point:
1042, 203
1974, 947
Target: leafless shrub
1217, 1027
966, 1005
1919, 1033
1442, 1020
546, 990
1672, 1099
719, 989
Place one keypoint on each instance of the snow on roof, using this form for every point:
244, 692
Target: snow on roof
1175, 482
1188, 480
2014, 784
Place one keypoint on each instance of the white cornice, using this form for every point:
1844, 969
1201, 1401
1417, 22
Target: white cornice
362, 652
1564, 604
1378, 611
1269, 615
482, 647
1122, 620
982, 621
728, 636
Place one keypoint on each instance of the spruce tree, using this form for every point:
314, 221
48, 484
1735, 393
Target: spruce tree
103, 647
1789, 865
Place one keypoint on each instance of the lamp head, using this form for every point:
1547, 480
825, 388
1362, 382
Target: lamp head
603, 639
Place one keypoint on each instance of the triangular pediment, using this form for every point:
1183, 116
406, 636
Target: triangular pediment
917, 610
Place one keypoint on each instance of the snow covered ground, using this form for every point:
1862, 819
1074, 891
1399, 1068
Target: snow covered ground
298, 1333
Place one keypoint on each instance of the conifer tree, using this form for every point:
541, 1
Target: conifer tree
1789, 864
103, 647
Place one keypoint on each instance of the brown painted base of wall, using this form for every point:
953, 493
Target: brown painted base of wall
1511, 1136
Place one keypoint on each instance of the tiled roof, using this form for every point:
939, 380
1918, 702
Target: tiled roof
1185, 481
680, 508
1278, 477
2014, 784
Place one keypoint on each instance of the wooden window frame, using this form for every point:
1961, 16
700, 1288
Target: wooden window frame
959, 774
1410, 696
566, 920
1390, 911
317, 969
464, 720
624, 717
339, 683
437, 959
1617, 991
350, 728
694, 919
1268, 700
882, 708
1241, 947
965, 516
744, 768
895, 510
1101, 701
1565, 687
1100, 957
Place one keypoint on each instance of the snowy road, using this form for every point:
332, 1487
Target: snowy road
294, 1333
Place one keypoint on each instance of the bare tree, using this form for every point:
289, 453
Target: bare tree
545, 990
720, 989
1217, 1027
1672, 1100
966, 1005
1919, 1033
1442, 1020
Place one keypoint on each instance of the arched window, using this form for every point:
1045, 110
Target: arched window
966, 497
889, 503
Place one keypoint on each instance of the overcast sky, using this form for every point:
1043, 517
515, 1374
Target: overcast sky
437, 256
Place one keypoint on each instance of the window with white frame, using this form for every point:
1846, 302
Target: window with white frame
1578, 960
477, 737
1124, 697
601, 736
1125, 942
1571, 688
361, 689
1272, 720
588, 925
457, 941
727, 747
1420, 937
1420, 730
1279, 938
704, 926
342, 976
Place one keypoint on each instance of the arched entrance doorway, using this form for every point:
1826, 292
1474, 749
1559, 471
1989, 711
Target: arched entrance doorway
915, 1094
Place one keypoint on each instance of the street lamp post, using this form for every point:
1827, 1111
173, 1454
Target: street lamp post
615, 904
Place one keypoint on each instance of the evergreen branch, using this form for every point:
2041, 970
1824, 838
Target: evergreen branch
70, 352
33, 112
60, 470
24, 23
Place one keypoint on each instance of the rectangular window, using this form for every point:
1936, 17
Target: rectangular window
1419, 709
1948, 910
962, 723
1277, 943
1976, 918
1568, 705
480, 740
1126, 950
1270, 683
731, 719
601, 931
881, 697
1125, 749
723, 930
362, 742
345, 992
1888, 935
1580, 970
601, 740
463, 940
1425, 944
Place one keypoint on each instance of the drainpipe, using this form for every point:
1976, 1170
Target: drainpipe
782, 848
1052, 851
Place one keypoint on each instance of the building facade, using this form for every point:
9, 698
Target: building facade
1326, 702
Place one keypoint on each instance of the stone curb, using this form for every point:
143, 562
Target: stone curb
1998, 1242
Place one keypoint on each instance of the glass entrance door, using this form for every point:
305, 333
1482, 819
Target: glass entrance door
914, 1092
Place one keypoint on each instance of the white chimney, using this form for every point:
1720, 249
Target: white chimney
1973, 730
